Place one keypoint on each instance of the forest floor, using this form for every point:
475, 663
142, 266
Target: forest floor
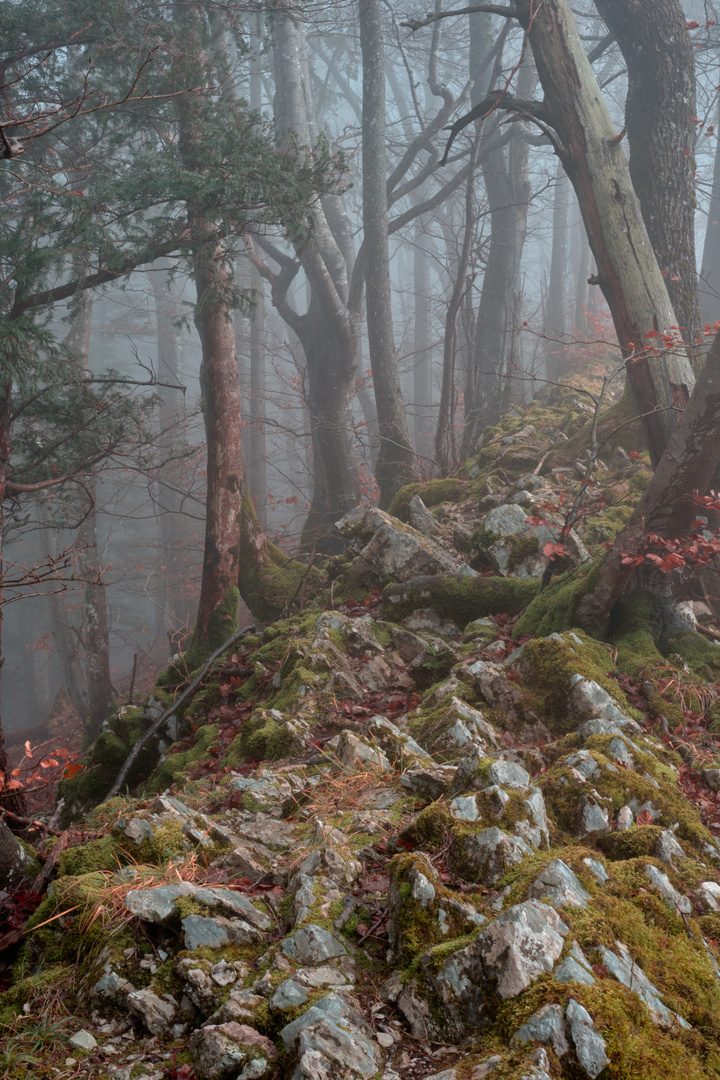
412, 831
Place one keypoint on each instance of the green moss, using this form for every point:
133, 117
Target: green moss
631, 843
701, 655
432, 493
605, 527
461, 599
261, 738
523, 547
547, 667
174, 764
632, 630
555, 608
223, 623
271, 582
103, 854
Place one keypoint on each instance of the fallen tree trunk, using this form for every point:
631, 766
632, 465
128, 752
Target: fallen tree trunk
460, 598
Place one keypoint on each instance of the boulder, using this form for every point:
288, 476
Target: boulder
155, 1013
558, 884
589, 1044
312, 945
484, 857
395, 548
231, 1052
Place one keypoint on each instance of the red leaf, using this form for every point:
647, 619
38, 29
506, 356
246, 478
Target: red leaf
644, 818
48, 762
362, 930
692, 25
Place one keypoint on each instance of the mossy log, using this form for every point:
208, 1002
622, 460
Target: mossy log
459, 598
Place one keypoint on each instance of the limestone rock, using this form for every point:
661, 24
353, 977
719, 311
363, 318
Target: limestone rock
82, 1040
486, 856
214, 933
662, 884
546, 1026
230, 1052
589, 1044
558, 884
626, 970
312, 945
395, 548
588, 700
521, 944
155, 1013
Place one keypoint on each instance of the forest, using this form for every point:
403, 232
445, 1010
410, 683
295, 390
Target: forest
359, 540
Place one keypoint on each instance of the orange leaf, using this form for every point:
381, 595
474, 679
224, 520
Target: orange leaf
13, 785
644, 818
48, 762
28, 748
71, 769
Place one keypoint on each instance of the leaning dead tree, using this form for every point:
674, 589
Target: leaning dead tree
574, 117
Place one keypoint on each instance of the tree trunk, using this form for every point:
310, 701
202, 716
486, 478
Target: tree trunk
95, 617
328, 331
582, 323
64, 632
445, 443
168, 480
330, 404
257, 466
218, 606
557, 301
422, 350
710, 274
219, 381
12, 800
687, 465
659, 115
394, 465
627, 268
508, 193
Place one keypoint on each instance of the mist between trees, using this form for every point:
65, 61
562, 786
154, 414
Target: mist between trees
261, 262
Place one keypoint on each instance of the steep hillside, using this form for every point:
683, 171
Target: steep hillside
424, 827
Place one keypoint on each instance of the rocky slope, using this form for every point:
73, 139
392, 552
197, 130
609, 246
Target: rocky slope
404, 835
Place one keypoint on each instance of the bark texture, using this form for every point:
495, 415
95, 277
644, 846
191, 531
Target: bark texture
659, 116
394, 465
628, 272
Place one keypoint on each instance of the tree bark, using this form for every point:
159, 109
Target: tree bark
328, 330
556, 300
95, 616
445, 442
508, 194
687, 465
394, 465
422, 350
219, 381
659, 115
12, 800
168, 481
710, 273
628, 272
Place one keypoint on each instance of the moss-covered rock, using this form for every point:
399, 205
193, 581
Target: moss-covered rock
432, 493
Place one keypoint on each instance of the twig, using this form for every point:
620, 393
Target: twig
164, 716
30, 821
